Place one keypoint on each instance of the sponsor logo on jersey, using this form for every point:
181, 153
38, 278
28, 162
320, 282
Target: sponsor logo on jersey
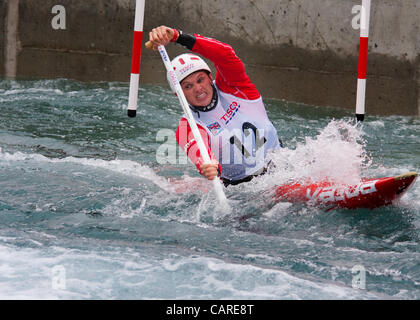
230, 112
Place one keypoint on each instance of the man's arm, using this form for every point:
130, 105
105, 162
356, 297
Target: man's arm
231, 76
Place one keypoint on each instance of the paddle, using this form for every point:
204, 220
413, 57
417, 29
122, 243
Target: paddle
193, 125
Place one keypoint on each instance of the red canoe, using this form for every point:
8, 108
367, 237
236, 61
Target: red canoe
369, 193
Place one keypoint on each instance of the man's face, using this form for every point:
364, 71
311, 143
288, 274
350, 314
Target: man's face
198, 88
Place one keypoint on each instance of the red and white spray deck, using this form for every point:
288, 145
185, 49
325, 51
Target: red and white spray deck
363, 53
135, 58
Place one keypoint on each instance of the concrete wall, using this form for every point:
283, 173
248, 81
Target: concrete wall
2, 35
298, 50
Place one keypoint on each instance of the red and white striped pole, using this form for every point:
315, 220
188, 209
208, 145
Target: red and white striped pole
135, 58
363, 53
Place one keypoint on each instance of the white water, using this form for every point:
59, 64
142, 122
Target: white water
80, 188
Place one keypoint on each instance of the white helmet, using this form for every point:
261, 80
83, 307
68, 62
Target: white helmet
186, 64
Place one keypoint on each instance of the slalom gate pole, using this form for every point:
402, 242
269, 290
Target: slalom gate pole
193, 125
363, 53
135, 59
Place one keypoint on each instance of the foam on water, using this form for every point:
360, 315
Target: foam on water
337, 154
81, 189
125, 167
127, 273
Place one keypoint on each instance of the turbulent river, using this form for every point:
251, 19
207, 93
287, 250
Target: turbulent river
89, 210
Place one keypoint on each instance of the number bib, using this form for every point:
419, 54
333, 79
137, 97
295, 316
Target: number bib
240, 135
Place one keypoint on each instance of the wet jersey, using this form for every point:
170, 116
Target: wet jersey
237, 132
